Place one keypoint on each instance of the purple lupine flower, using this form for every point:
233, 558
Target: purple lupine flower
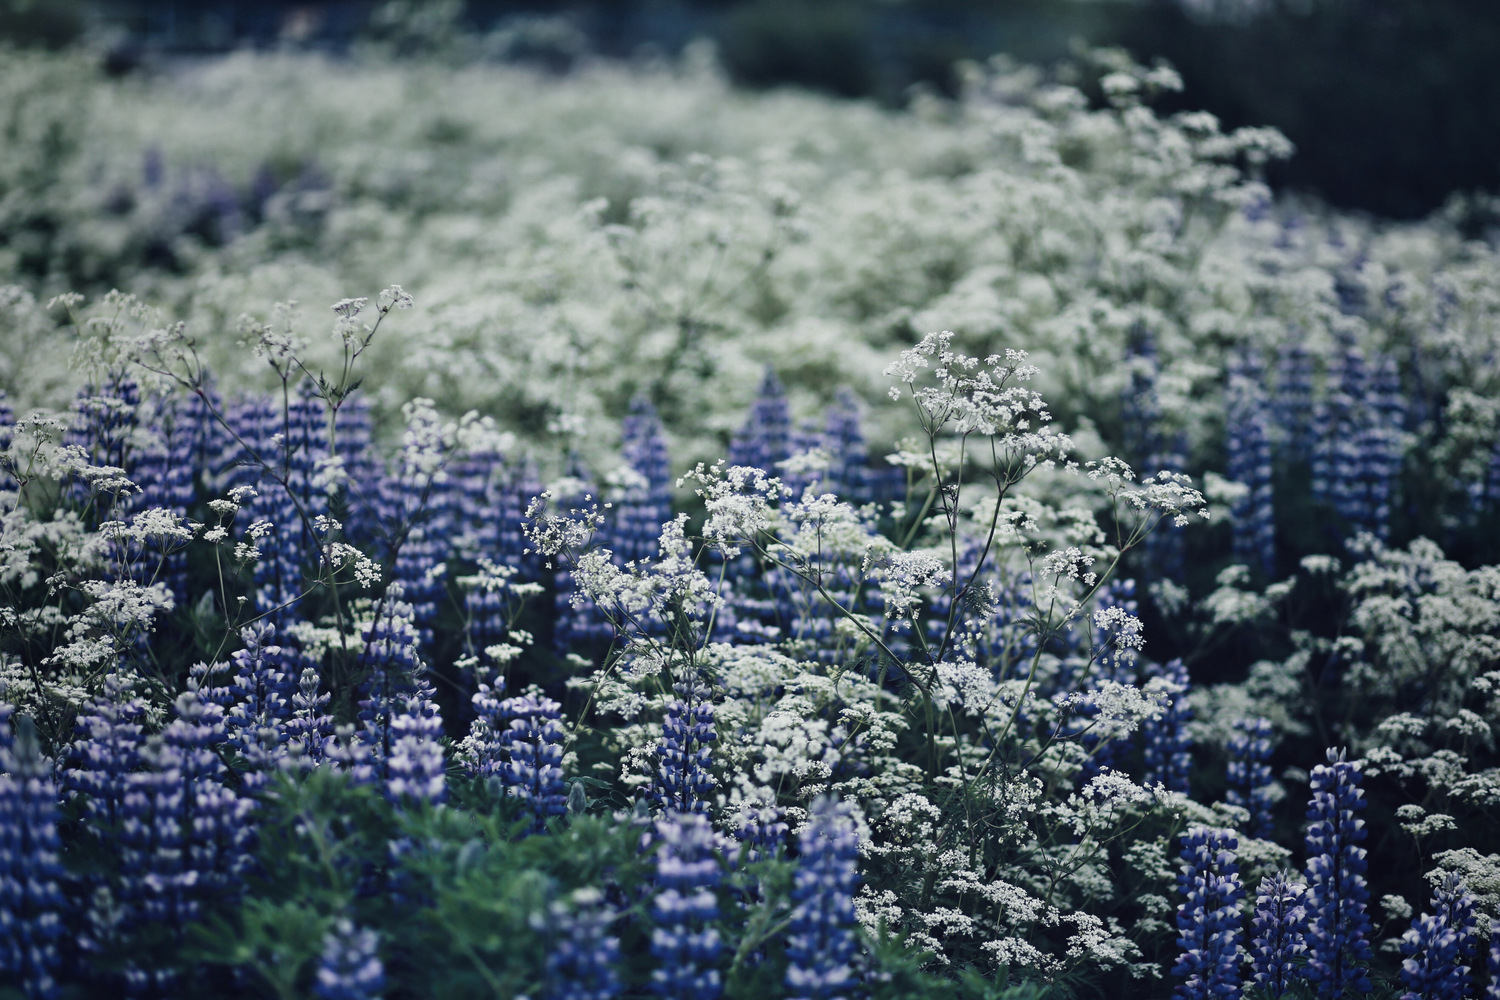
1167, 743
1367, 450
765, 438
1103, 661
820, 943
415, 768
1452, 904
1248, 441
1359, 421
1166, 548
809, 617
1492, 963
185, 837
347, 753
1294, 402
474, 498
104, 419
798, 477
256, 721
399, 719
7, 425
1439, 945
164, 473
1152, 445
217, 832
1208, 919
1249, 775
390, 657
521, 483
485, 617
421, 507
761, 830
683, 778
31, 899
1280, 922
684, 942
1380, 445
645, 504
1334, 423
350, 967
153, 169
309, 726
583, 961
419, 569
183, 426
1339, 927
253, 426
850, 476
489, 724
297, 443
1431, 970
353, 444
108, 750
534, 741
151, 846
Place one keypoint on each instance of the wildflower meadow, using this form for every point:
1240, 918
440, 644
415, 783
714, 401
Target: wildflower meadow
765, 546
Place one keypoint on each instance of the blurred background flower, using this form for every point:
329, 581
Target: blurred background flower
1392, 104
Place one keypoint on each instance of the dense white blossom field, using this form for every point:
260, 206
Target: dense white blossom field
764, 545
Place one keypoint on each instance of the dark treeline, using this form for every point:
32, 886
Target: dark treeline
1393, 104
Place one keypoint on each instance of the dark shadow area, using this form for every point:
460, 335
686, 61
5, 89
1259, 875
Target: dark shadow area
1393, 104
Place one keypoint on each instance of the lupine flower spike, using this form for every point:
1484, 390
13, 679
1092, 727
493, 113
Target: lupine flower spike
108, 750
534, 742
683, 778
1249, 775
583, 961
1339, 927
1168, 758
1439, 944
1492, 963
1208, 919
821, 943
684, 941
350, 968
1280, 922
31, 900
1248, 440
